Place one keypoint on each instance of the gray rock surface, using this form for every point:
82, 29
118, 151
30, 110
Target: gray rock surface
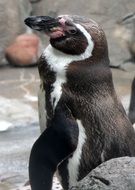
12, 14
114, 174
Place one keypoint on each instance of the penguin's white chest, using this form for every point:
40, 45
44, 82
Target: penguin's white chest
58, 63
57, 89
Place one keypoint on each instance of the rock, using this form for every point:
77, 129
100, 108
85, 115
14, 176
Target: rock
24, 51
118, 173
12, 14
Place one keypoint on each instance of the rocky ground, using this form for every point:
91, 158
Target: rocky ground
115, 174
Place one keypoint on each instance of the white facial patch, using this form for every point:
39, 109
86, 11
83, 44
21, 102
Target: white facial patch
59, 61
74, 162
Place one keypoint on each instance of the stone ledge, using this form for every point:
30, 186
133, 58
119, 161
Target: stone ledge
115, 174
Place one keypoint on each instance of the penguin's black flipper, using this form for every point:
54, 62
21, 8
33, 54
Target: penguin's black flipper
54, 145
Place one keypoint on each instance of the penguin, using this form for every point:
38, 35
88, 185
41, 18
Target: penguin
83, 121
131, 113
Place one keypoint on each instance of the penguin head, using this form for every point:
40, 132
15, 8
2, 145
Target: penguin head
70, 34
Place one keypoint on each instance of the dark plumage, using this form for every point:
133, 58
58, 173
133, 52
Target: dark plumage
85, 121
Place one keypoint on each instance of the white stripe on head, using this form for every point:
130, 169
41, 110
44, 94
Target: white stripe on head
59, 61
74, 162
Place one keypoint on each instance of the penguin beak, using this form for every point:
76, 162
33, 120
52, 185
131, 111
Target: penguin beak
41, 23
53, 27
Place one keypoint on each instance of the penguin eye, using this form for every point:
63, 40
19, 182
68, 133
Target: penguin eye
73, 31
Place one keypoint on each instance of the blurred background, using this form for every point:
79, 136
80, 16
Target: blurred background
19, 80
